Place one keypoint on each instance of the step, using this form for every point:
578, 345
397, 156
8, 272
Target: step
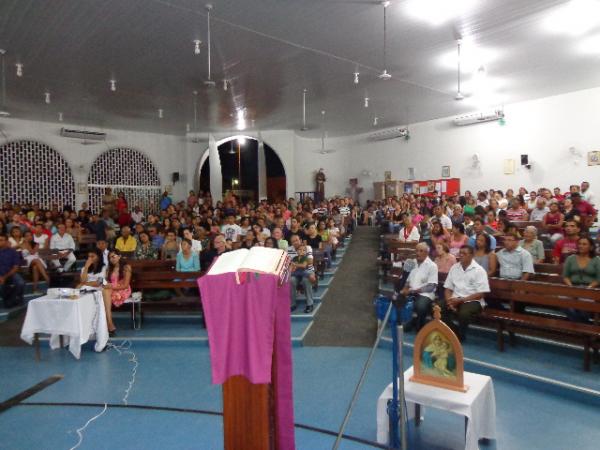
7, 313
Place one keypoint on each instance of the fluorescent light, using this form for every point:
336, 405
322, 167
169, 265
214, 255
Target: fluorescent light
590, 45
575, 18
471, 57
241, 140
436, 12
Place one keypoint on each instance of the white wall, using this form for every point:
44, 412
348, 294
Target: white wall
167, 152
544, 129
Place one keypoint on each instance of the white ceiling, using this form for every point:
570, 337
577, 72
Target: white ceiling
271, 50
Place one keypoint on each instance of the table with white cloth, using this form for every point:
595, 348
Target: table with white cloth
478, 405
74, 321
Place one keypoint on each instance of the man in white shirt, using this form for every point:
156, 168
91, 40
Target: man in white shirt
137, 215
64, 243
231, 230
586, 194
443, 218
540, 210
421, 285
196, 244
465, 286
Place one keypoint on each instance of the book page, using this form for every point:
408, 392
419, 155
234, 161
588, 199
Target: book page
228, 262
262, 260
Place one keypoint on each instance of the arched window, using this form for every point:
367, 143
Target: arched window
128, 171
32, 172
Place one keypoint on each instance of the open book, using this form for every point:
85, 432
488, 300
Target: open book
258, 260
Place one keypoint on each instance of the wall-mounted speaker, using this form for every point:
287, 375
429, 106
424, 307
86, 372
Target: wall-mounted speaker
175, 176
524, 160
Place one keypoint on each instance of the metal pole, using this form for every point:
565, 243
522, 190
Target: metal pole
401, 387
392, 405
363, 375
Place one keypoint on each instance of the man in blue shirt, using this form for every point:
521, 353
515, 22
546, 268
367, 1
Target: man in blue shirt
479, 228
11, 283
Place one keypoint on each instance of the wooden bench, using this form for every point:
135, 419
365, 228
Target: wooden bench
551, 296
549, 273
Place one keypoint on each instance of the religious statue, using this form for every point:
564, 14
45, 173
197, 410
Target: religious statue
354, 190
320, 186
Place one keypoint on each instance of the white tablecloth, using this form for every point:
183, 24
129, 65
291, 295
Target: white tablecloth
77, 320
478, 404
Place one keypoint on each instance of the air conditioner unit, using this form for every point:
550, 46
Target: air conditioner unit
83, 134
391, 133
479, 117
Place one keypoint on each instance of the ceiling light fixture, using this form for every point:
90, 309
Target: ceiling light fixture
436, 12
209, 82
304, 127
47, 97
366, 102
225, 85
241, 140
356, 74
471, 56
113, 85
160, 113
197, 43
459, 95
3, 111
385, 75
241, 119
375, 120
60, 117
19, 69
574, 18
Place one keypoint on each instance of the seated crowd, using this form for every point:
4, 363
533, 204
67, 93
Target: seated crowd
464, 240
192, 233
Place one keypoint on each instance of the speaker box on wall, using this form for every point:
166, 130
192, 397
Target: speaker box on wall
524, 160
175, 175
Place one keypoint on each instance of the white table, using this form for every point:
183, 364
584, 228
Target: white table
478, 405
75, 321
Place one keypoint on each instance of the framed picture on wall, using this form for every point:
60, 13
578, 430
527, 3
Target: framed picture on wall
388, 175
509, 166
411, 173
594, 158
445, 171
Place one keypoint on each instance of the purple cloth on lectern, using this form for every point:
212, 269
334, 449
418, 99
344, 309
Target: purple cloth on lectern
244, 321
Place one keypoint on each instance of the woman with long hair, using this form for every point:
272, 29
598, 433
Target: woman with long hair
118, 288
483, 255
29, 251
582, 269
93, 271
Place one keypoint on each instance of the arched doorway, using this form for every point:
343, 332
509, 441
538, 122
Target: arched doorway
240, 168
125, 170
32, 172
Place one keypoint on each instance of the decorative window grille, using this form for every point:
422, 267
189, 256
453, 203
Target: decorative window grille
32, 172
128, 171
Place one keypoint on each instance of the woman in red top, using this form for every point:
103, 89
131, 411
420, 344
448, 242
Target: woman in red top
121, 202
554, 222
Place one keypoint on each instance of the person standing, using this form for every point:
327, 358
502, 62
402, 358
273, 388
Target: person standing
465, 286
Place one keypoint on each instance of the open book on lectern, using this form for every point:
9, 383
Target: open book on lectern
262, 260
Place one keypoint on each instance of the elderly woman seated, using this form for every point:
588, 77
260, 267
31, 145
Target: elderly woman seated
532, 244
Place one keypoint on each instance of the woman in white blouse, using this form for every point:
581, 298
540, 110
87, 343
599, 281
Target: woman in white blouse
408, 232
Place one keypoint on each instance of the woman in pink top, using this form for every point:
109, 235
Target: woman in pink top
458, 239
118, 288
416, 216
444, 260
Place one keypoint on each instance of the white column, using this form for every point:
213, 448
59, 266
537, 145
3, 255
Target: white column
216, 175
262, 170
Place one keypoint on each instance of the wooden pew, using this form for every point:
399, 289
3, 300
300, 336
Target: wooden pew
551, 296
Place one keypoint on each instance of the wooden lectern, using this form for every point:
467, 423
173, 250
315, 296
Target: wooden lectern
248, 323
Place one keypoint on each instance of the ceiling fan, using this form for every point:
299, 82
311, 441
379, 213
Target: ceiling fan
323, 150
